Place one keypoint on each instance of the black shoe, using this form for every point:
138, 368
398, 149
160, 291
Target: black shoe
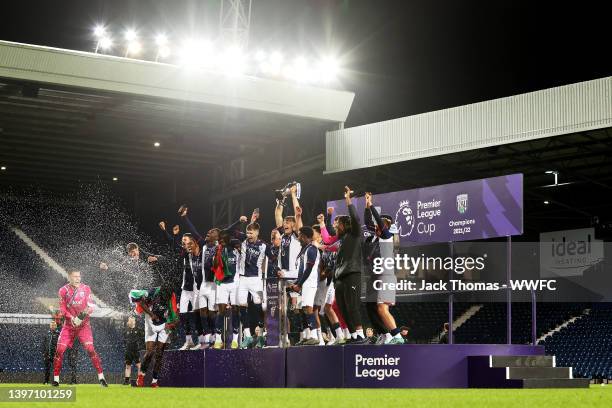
103, 383
54, 384
126, 381
360, 341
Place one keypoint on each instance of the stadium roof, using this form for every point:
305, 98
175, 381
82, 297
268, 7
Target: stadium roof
69, 116
574, 108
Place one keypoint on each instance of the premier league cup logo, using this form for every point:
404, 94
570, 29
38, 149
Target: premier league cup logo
462, 203
404, 219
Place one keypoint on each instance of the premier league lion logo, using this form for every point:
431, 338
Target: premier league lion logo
404, 219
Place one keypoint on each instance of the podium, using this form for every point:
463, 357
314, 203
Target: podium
391, 366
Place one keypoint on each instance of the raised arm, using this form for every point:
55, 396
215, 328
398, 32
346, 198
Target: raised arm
355, 224
328, 221
299, 223
384, 231
325, 236
235, 229
278, 214
190, 225
367, 212
162, 226
298, 210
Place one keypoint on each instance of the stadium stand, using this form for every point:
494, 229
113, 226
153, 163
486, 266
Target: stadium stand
585, 344
488, 325
424, 319
26, 277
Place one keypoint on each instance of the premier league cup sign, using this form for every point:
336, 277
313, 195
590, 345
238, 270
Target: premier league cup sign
476, 209
273, 312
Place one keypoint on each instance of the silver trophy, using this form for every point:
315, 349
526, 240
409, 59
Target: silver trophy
283, 193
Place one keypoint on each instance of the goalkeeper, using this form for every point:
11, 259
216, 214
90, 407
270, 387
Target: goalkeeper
76, 305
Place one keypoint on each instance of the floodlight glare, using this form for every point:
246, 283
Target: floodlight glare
130, 35
327, 69
164, 52
134, 48
260, 56
273, 65
106, 43
196, 53
99, 31
161, 40
232, 61
299, 70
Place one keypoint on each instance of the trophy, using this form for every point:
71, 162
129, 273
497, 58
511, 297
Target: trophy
282, 194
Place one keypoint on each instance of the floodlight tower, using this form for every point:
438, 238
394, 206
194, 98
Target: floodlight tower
235, 22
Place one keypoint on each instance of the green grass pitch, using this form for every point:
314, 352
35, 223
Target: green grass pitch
121, 396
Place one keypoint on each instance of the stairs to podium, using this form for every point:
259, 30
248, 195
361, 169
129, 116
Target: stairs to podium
520, 372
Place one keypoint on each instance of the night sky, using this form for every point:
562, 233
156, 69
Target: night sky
400, 57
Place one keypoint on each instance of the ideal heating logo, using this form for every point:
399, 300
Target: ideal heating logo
569, 252
571, 248
380, 368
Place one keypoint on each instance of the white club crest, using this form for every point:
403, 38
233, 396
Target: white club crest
404, 219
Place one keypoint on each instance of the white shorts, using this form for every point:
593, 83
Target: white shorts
321, 293
188, 296
207, 296
386, 295
308, 296
152, 332
331, 294
227, 293
252, 285
264, 302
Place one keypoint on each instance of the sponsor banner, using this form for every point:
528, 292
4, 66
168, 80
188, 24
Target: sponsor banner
569, 252
470, 210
